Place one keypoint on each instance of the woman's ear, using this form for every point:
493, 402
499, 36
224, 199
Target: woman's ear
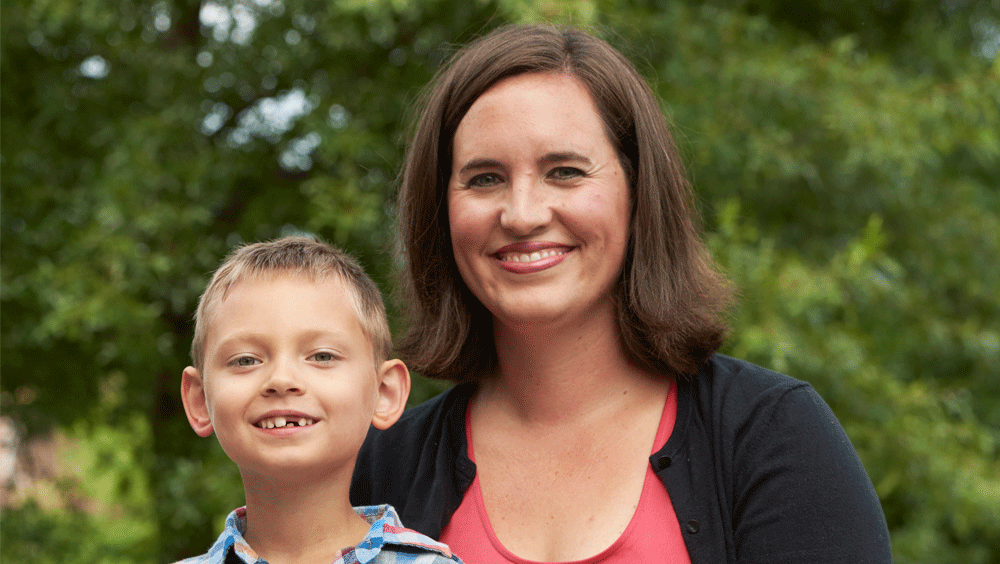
195, 404
393, 391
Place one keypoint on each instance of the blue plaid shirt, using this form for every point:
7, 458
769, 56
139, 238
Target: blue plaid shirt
387, 542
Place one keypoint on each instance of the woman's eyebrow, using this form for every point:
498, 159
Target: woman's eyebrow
476, 164
563, 156
547, 159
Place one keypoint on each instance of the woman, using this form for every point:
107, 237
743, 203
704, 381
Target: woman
553, 267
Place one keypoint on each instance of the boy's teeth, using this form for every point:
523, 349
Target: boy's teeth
279, 422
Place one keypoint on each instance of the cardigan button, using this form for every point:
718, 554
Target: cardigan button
663, 462
692, 526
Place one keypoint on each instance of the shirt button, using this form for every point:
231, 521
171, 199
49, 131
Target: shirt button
692, 526
663, 462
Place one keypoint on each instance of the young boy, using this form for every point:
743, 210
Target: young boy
291, 366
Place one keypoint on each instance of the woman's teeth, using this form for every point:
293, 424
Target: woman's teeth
525, 257
279, 422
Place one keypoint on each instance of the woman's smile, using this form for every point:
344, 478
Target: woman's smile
535, 256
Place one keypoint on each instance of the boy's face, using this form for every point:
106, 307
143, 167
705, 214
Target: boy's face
289, 380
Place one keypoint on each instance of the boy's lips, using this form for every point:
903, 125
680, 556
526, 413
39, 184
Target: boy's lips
284, 418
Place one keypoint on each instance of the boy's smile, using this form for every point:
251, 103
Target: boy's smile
289, 378
280, 421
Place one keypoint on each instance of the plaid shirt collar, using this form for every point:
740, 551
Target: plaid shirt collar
386, 530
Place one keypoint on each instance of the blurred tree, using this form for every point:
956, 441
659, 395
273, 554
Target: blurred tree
816, 140
141, 141
847, 156
918, 36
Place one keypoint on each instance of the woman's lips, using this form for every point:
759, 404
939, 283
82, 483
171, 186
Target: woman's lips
528, 257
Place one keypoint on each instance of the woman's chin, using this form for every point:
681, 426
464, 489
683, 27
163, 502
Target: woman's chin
531, 316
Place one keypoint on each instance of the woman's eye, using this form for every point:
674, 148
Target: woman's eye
565, 173
244, 361
324, 357
485, 180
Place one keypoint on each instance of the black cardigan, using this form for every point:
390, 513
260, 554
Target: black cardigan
757, 467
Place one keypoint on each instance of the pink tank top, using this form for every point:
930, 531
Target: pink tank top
653, 534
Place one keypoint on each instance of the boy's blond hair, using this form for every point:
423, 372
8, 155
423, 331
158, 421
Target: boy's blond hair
295, 255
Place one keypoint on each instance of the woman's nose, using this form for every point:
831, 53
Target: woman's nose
525, 207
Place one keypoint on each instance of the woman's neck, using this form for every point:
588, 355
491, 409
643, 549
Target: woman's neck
553, 373
301, 521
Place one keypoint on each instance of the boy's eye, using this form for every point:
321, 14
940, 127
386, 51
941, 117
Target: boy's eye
565, 173
244, 361
484, 180
324, 357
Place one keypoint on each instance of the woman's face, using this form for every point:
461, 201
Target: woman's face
538, 202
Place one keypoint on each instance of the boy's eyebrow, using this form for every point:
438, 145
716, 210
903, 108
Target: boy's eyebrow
241, 335
335, 333
234, 339
257, 337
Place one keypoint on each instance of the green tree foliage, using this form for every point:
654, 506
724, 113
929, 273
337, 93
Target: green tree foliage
846, 156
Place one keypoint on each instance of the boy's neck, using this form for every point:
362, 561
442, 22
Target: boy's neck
301, 521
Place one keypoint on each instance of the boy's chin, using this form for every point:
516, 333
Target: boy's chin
293, 470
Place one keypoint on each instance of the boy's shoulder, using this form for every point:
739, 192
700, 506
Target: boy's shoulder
231, 539
387, 542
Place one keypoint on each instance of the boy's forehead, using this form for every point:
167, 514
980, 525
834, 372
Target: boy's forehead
330, 283
259, 283
278, 277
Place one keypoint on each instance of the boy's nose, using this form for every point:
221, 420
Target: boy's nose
281, 381
279, 389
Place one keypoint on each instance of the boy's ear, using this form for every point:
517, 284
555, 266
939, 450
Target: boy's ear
195, 405
393, 391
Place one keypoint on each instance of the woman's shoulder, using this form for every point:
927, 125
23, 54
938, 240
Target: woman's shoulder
736, 393
731, 379
777, 446
727, 371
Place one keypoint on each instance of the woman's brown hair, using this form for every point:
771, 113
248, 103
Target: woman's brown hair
669, 298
